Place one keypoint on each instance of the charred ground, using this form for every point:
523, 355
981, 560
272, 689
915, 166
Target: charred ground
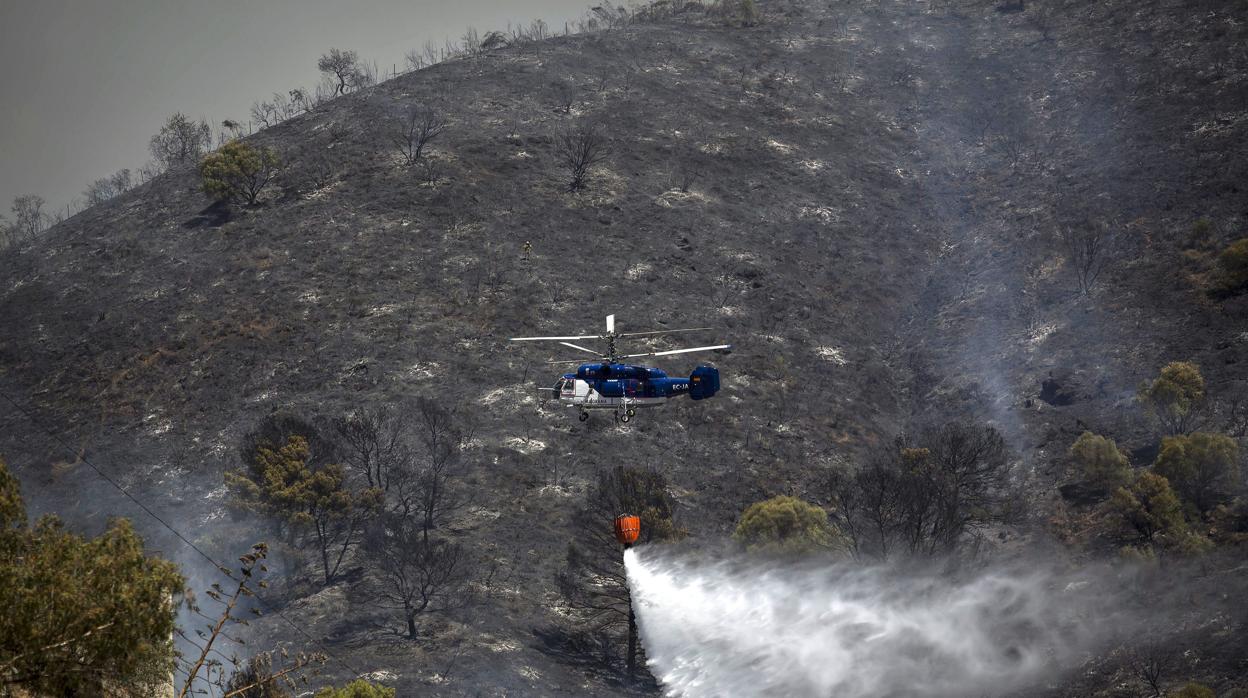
873, 220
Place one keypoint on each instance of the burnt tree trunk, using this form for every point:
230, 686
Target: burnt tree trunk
632, 640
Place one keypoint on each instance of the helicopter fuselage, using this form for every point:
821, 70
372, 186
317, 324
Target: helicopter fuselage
610, 385
621, 386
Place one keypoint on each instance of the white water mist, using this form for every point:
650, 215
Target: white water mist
735, 628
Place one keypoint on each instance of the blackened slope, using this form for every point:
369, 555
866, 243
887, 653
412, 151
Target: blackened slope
147, 329
854, 229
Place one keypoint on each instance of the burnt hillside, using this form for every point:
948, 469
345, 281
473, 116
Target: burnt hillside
877, 191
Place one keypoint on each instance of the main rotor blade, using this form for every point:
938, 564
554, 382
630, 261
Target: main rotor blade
678, 351
552, 339
587, 351
571, 361
687, 329
610, 324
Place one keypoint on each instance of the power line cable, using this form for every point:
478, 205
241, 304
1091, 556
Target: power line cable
260, 601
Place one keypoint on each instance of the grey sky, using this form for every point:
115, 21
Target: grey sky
87, 82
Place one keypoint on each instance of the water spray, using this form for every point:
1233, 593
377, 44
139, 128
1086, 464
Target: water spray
749, 627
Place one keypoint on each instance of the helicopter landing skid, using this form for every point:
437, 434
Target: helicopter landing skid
623, 416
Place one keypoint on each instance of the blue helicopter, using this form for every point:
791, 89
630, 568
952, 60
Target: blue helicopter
610, 385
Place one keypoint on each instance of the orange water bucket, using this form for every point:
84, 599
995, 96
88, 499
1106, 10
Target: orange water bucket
627, 529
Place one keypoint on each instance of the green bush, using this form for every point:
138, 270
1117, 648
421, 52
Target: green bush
1230, 523
1137, 555
1233, 263
785, 524
77, 613
1201, 466
356, 689
1100, 461
1175, 396
1187, 543
238, 172
1194, 690
1149, 506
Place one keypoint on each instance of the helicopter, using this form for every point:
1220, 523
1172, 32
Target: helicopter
608, 384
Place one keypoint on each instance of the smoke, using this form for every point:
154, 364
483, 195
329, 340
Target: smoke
733, 628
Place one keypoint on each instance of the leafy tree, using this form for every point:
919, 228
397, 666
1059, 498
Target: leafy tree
279, 482
180, 142
1188, 543
1233, 263
1149, 506
276, 429
593, 580
421, 576
356, 689
80, 615
1100, 461
1176, 396
238, 172
1201, 466
785, 524
345, 67
494, 40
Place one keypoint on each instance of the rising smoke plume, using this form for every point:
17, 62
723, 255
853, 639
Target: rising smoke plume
736, 628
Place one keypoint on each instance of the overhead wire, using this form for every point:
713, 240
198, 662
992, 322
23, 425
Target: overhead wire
266, 608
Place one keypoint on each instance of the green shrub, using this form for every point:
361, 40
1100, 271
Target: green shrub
1175, 396
238, 172
1149, 506
77, 613
1187, 543
1137, 555
1194, 690
1230, 523
785, 524
1233, 263
1201, 466
356, 689
1100, 461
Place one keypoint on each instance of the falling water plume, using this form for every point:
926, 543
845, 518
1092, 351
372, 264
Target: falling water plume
762, 628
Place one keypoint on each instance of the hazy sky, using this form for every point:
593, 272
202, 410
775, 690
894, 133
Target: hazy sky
87, 83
